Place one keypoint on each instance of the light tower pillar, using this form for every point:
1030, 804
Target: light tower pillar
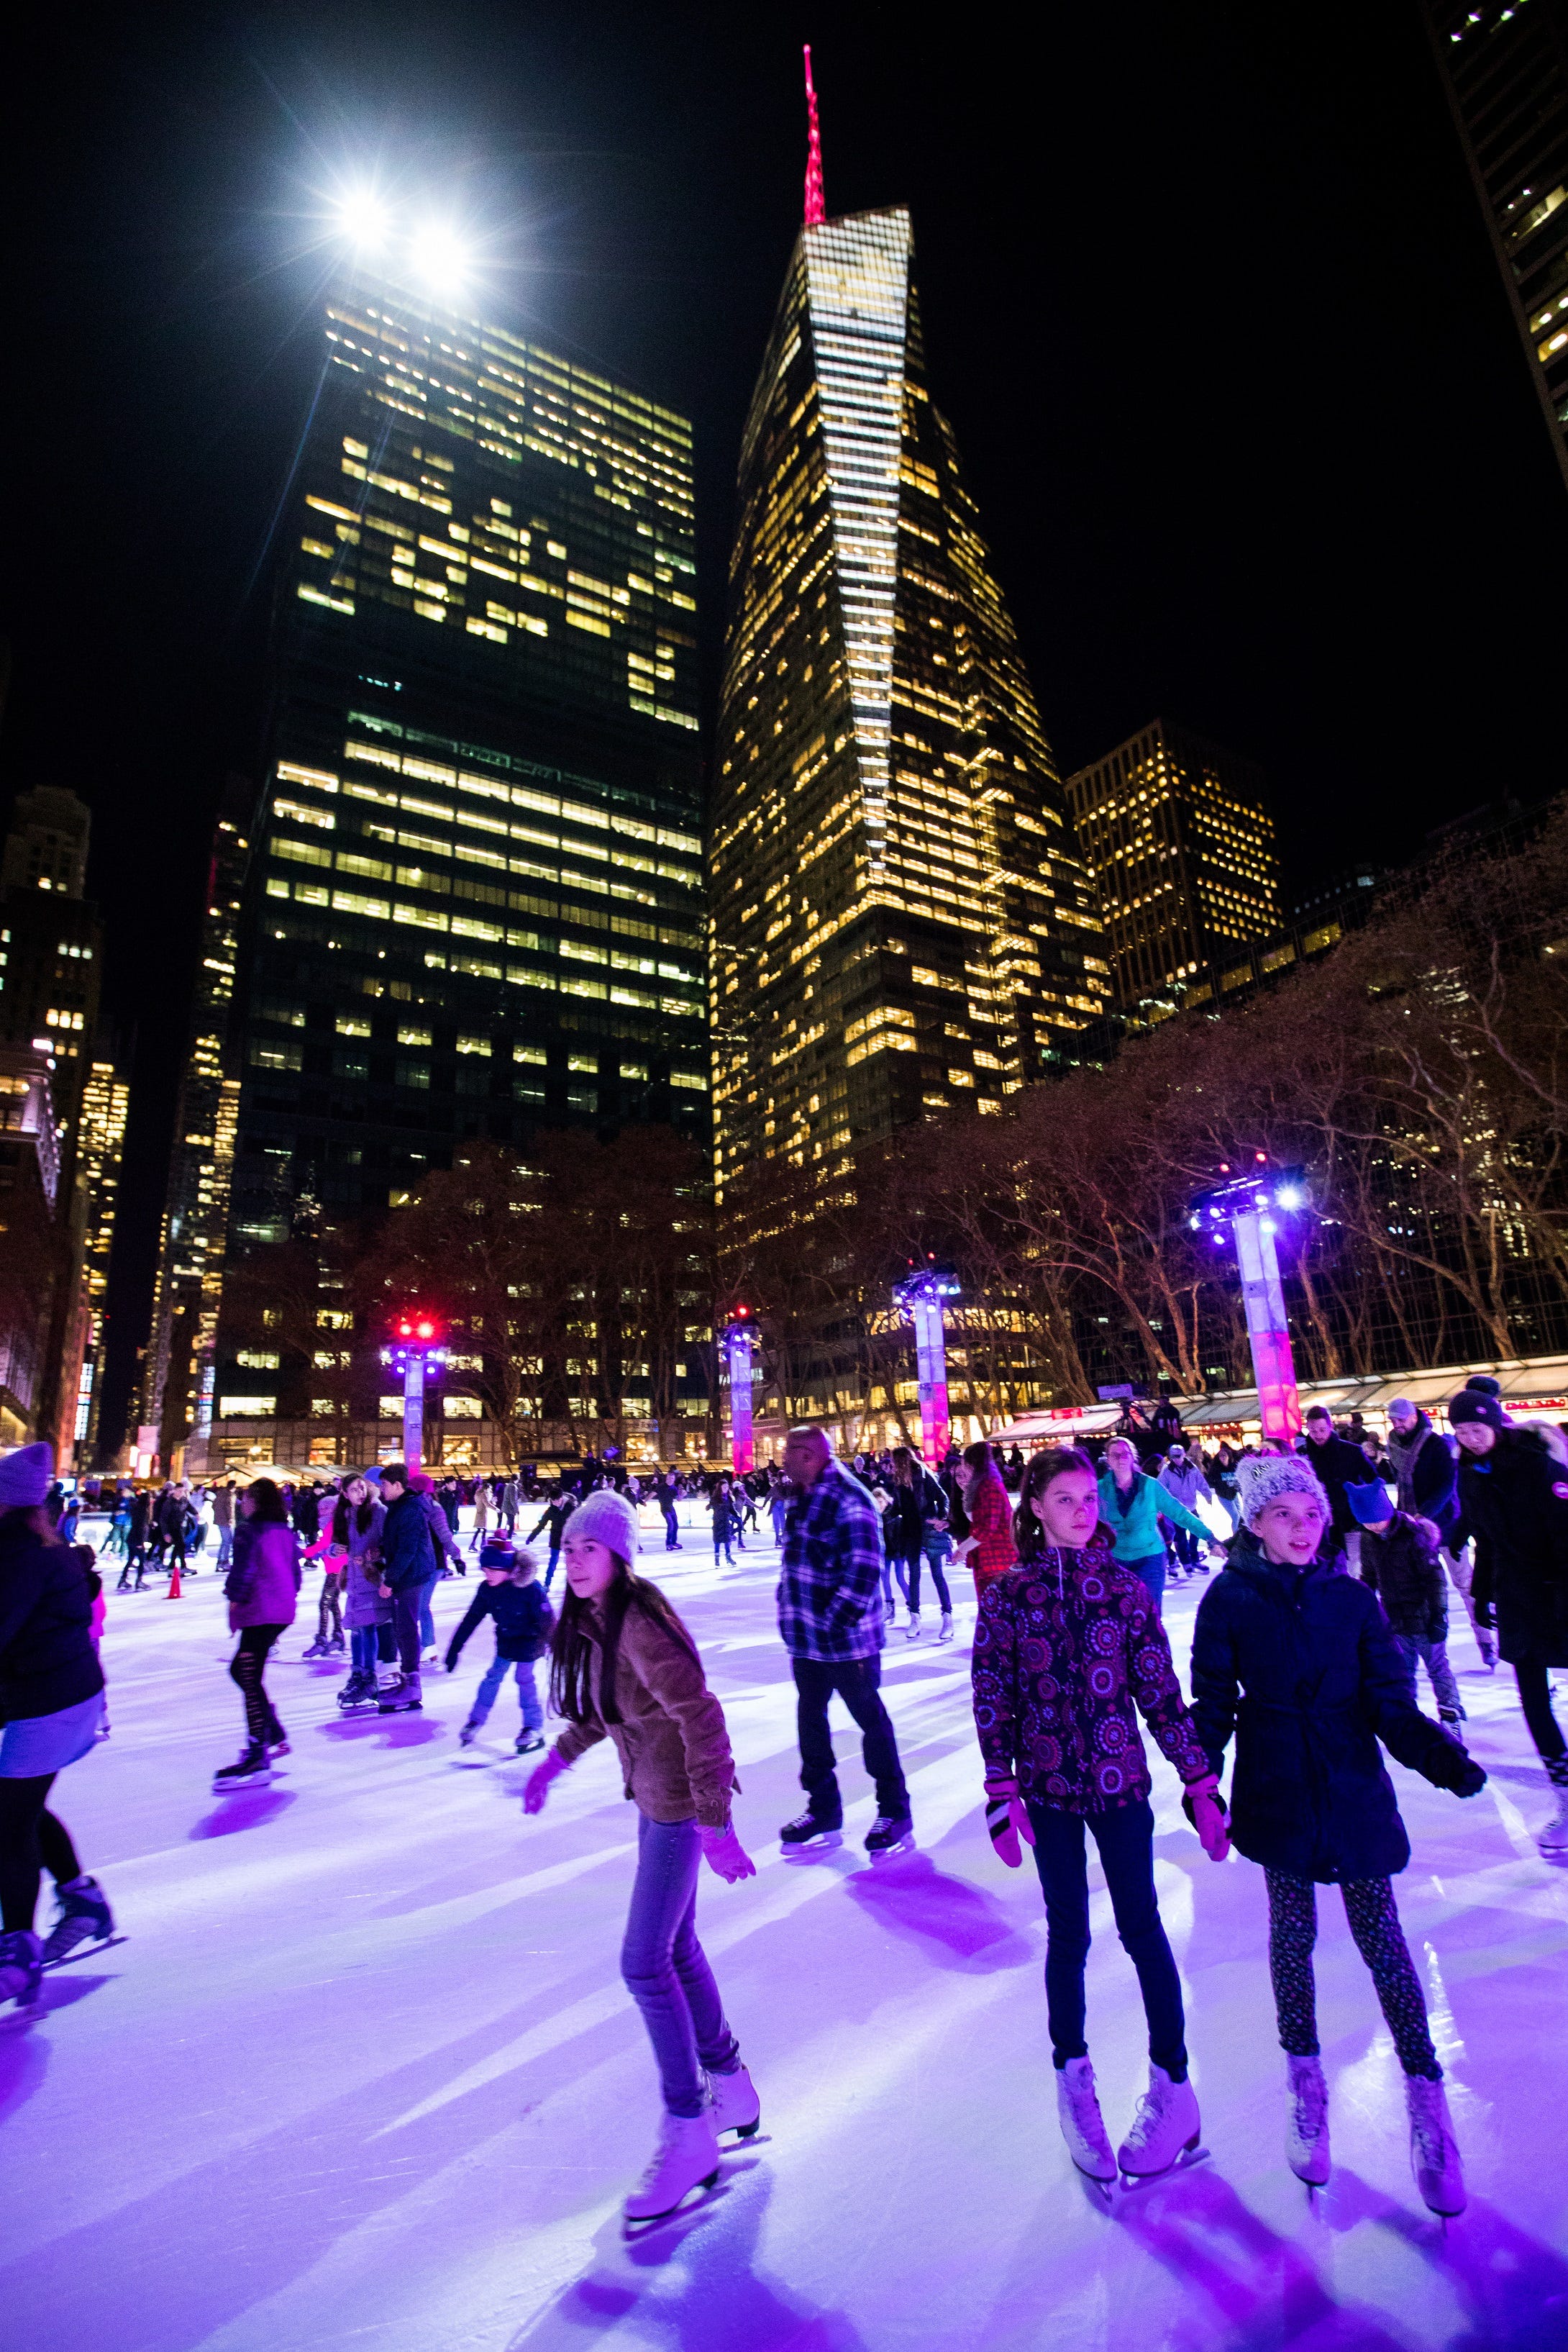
737, 1353
1263, 1296
413, 1408
921, 1299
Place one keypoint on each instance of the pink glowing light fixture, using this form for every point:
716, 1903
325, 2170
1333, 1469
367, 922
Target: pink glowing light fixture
815, 211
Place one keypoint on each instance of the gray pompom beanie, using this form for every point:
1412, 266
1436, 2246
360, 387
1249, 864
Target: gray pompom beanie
1263, 1479
608, 1518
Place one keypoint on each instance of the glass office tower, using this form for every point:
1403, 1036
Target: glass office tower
474, 899
1505, 68
1180, 844
900, 922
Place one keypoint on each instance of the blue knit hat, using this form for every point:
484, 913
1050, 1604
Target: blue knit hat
496, 1551
1370, 1505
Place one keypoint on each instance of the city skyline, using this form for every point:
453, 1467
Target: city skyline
1118, 455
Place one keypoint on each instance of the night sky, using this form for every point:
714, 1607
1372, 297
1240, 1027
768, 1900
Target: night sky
1207, 296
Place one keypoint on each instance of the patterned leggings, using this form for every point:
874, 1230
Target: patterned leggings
1380, 1940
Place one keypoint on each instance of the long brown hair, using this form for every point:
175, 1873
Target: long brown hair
570, 1647
1044, 1467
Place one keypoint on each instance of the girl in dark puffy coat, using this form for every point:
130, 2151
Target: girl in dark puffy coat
1513, 1494
1298, 1662
511, 1596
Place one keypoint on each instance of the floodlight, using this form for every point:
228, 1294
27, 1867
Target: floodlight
1289, 1196
438, 257
363, 219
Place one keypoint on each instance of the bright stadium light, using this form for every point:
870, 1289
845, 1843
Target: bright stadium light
363, 219
439, 258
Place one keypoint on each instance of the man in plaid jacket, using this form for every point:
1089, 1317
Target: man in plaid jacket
830, 1622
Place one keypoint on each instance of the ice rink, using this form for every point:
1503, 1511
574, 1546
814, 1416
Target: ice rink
362, 2074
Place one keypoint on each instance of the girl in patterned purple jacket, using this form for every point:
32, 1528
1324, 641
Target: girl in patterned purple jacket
1068, 1645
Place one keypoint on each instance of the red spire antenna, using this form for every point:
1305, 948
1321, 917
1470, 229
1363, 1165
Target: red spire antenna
815, 212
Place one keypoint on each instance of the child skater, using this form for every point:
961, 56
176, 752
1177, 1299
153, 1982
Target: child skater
511, 1594
623, 1667
1298, 1662
1067, 1644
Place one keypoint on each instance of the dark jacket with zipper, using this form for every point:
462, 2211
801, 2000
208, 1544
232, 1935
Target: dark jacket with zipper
47, 1659
523, 1620
1404, 1570
1300, 1665
1515, 1504
408, 1547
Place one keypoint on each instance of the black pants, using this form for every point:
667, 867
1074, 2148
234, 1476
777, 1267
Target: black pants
31, 1839
1124, 1837
405, 1621
245, 1669
329, 1610
857, 1682
1535, 1699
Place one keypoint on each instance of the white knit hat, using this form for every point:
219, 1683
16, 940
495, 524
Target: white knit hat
1263, 1479
608, 1518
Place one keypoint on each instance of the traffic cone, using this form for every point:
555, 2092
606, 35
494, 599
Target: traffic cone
174, 1591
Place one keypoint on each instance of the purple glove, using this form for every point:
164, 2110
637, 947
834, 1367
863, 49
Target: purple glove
725, 1853
1007, 1818
538, 1782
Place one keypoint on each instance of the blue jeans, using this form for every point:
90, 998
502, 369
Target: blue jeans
664, 1969
1434, 1656
1152, 1569
554, 1564
490, 1691
426, 1621
362, 1648
1125, 1837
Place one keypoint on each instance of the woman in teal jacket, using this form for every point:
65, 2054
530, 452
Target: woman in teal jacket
1132, 1505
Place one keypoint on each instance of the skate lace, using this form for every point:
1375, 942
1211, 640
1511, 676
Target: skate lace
1312, 2109
1084, 2101
1151, 2111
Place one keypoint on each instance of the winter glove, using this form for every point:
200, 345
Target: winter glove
725, 1853
1007, 1818
1485, 1617
1201, 1804
1456, 1770
538, 1787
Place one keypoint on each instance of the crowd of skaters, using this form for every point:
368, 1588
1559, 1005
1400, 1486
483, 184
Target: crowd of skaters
1331, 1594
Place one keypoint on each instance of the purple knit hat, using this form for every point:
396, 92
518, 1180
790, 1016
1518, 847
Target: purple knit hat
25, 1478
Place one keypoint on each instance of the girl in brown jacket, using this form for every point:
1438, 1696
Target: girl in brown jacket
623, 1667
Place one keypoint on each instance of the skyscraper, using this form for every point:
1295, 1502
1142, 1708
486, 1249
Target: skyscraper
474, 899
178, 1373
1177, 835
900, 922
105, 1104
1505, 68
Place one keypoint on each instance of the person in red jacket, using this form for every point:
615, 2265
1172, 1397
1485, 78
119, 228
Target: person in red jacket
989, 1546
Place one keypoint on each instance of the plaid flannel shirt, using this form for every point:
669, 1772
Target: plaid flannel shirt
829, 1589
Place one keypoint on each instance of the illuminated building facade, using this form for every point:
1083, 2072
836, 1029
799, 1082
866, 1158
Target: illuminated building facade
177, 1380
1505, 68
51, 965
1178, 836
476, 902
105, 1105
900, 921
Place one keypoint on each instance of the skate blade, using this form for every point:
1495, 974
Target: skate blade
885, 1853
1189, 2155
699, 2195
86, 1951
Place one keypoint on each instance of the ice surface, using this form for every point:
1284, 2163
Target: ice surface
364, 2074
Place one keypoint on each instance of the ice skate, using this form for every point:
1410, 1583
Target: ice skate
888, 1834
687, 2158
359, 1691
1552, 1835
945, 1631
469, 1732
85, 1919
21, 1966
528, 1741
808, 1830
1164, 2130
1307, 2126
1083, 2124
734, 2103
318, 1650
252, 1769
1434, 2154
912, 1631
404, 1694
